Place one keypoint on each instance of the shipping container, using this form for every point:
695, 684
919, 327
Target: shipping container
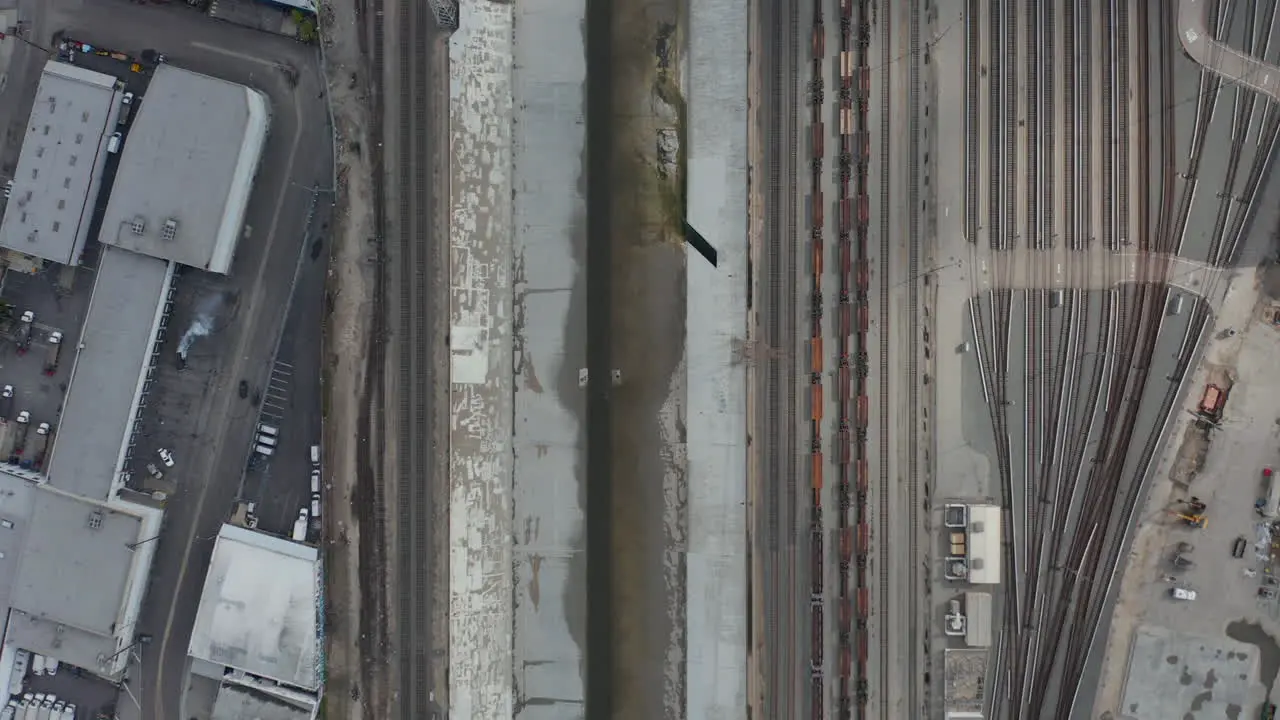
1213, 400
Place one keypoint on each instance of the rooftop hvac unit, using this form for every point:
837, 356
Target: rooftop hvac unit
138, 225
976, 563
976, 527
95, 520
169, 231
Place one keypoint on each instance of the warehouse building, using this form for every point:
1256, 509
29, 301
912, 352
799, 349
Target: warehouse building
984, 544
256, 634
59, 171
187, 169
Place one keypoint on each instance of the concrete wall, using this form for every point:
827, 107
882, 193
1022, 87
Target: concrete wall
549, 335
716, 92
480, 613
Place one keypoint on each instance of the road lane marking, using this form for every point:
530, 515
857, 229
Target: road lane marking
234, 54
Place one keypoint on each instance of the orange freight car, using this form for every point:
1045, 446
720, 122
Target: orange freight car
815, 355
816, 462
864, 603
817, 400
864, 405
862, 210
864, 275
819, 40
819, 134
846, 215
846, 545
816, 213
817, 257
864, 538
846, 448
846, 662
846, 312
864, 319
846, 257
862, 475
846, 382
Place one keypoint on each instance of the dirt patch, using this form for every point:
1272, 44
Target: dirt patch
353, 689
1191, 455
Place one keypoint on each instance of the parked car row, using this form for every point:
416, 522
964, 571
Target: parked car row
306, 515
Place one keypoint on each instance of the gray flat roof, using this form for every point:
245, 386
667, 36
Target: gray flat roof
189, 160
75, 563
258, 609
59, 169
236, 702
114, 353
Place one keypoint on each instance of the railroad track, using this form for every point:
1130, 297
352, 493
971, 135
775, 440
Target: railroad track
415, 403
883, 609
916, 618
778, 391
972, 117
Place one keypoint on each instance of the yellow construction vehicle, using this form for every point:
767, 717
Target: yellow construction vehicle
1196, 521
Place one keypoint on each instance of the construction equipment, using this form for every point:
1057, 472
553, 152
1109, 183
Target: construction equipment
1195, 521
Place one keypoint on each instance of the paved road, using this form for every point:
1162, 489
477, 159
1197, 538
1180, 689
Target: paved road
296, 157
1193, 31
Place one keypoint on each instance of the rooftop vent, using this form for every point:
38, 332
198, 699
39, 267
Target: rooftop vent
170, 230
138, 225
95, 520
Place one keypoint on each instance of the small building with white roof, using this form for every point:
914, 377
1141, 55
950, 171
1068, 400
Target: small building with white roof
257, 630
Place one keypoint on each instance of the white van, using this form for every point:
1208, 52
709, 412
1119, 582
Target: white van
315, 482
51, 667
263, 450
315, 455
266, 429
300, 526
315, 506
37, 664
113, 145
267, 440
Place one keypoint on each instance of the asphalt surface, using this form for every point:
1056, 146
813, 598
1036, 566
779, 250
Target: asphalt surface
211, 437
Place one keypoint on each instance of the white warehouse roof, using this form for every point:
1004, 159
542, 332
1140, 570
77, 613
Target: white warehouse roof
96, 423
258, 609
984, 544
186, 170
59, 171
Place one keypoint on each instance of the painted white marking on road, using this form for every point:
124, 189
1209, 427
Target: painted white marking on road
234, 54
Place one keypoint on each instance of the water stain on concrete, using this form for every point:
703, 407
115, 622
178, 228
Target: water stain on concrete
1253, 634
